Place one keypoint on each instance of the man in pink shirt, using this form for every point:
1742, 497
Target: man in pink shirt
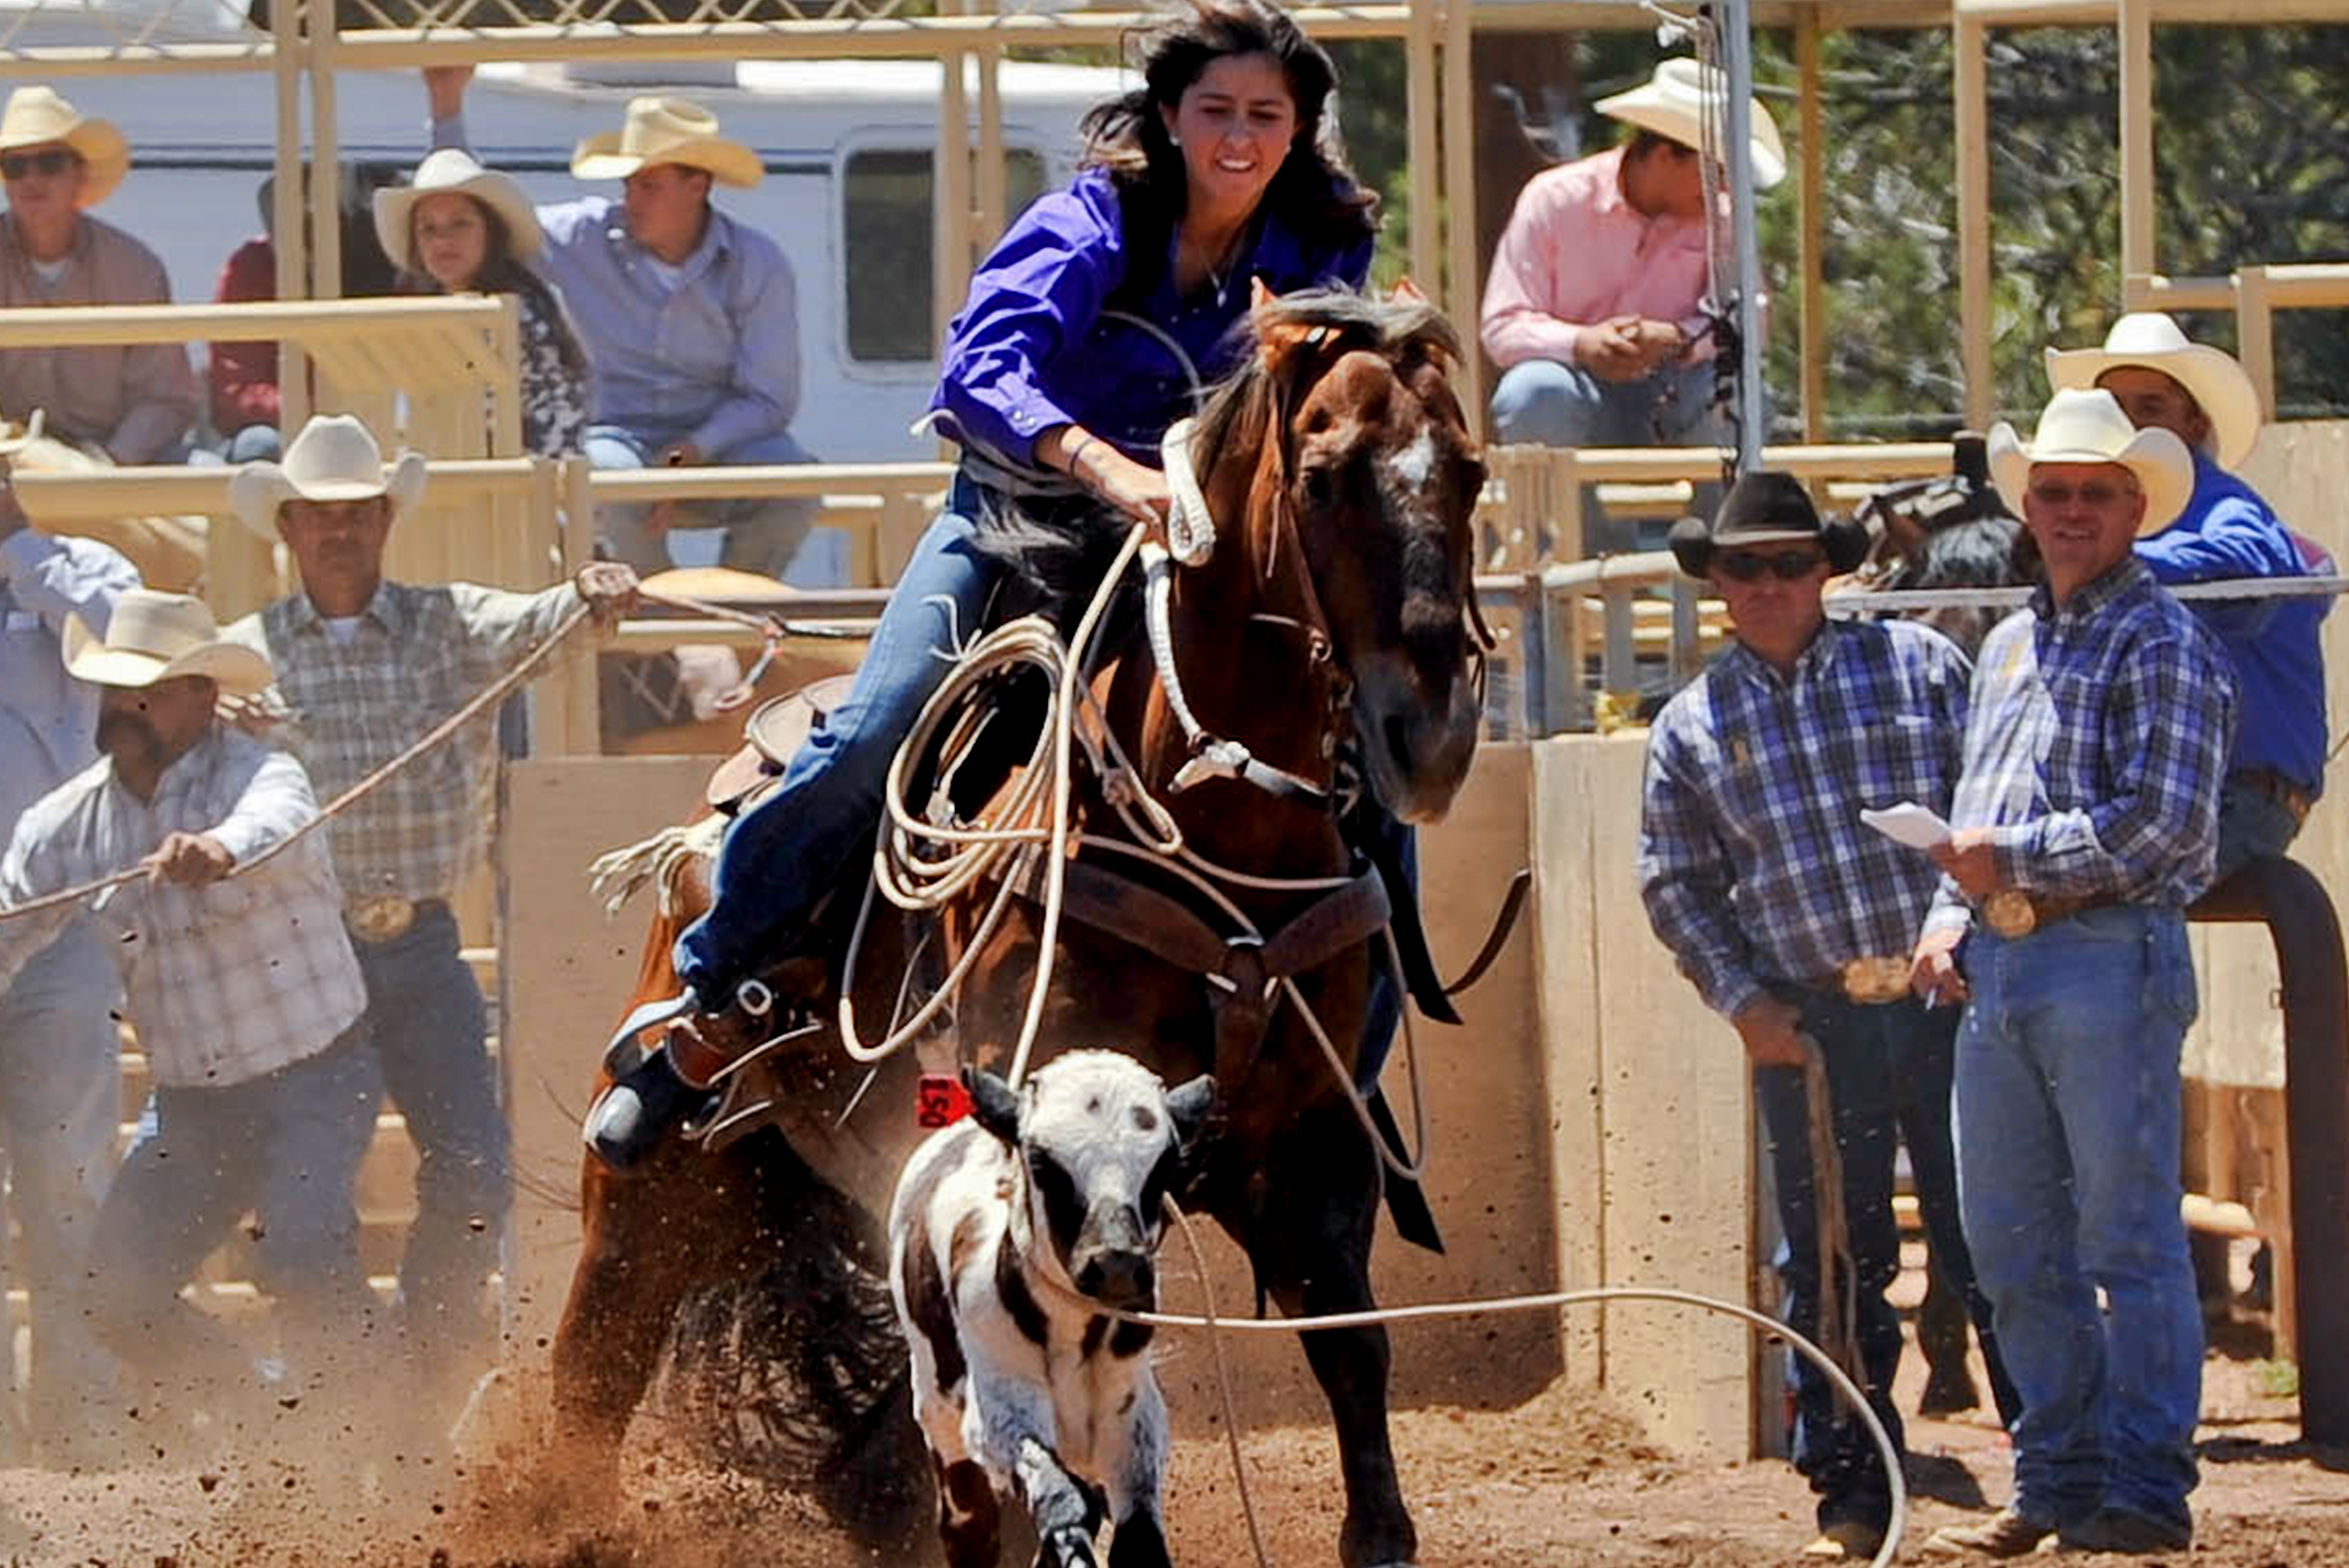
1591, 309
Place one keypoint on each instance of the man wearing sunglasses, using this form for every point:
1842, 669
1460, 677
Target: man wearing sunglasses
129, 403
2085, 821
1794, 921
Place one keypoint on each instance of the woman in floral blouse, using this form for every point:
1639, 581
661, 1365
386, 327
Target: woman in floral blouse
462, 228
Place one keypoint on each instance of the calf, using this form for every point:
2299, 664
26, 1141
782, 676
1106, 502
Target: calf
1054, 1188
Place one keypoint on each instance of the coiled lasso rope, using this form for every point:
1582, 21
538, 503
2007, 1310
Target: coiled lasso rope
1216, 1326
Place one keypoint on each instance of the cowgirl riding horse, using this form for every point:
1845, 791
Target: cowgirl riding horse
1077, 348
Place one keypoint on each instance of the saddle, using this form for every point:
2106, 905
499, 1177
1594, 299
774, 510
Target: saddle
775, 729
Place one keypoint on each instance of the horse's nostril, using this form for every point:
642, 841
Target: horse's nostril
1399, 740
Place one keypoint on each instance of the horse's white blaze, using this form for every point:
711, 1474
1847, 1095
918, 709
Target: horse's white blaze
1413, 466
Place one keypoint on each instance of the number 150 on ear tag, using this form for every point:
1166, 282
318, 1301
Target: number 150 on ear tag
939, 1100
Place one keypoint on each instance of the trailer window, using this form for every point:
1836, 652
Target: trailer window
888, 245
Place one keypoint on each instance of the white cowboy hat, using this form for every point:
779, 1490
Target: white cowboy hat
153, 636
2085, 425
667, 130
453, 170
35, 115
2152, 339
334, 458
1676, 101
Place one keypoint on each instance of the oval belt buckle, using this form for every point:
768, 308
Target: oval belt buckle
382, 920
2010, 913
1870, 982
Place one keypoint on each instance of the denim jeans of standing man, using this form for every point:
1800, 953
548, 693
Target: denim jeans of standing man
429, 1028
761, 534
1888, 1069
60, 1055
2253, 824
284, 1146
2067, 1141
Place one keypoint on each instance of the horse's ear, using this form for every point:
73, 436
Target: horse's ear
1260, 292
994, 1105
1407, 292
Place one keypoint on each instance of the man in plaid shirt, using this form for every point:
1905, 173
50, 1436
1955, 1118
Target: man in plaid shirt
1793, 920
245, 993
2085, 820
367, 667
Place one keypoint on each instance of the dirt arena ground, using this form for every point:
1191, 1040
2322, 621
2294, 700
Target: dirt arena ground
1565, 1480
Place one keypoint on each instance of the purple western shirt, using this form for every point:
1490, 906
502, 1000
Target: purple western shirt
1032, 348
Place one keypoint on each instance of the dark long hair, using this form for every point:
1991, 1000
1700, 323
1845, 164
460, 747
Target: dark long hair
503, 272
1313, 191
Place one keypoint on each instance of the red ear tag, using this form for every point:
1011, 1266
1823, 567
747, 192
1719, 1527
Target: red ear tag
939, 1100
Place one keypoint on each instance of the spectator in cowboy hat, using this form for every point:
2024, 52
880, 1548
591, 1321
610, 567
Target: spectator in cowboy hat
461, 229
1591, 309
134, 403
1794, 922
2085, 820
368, 666
245, 993
691, 320
58, 1049
2201, 394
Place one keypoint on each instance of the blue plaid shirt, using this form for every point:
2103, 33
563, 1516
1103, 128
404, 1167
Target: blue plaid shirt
1754, 864
2098, 739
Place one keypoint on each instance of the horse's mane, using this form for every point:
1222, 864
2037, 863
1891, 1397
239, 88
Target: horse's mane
1981, 552
1393, 326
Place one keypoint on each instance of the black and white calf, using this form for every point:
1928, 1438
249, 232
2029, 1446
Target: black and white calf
1054, 1187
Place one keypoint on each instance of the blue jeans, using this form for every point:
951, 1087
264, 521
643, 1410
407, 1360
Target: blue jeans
61, 1056
784, 854
1545, 403
429, 1029
286, 1146
2067, 1139
1888, 1079
2253, 825
762, 536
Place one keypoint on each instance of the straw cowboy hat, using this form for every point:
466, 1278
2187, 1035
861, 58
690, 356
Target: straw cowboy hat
667, 130
1676, 102
154, 636
453, 170
334, 458
35, 115
2151, 340
2085, 425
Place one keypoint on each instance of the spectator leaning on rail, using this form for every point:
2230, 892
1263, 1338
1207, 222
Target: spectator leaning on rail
367, 667
1592, 307
462, 228
136, 402
59, 1051
2085, 821
2202, 395
691, 320
1794, 921
248, 1002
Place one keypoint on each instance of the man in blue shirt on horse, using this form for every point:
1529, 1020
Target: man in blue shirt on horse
2202, 395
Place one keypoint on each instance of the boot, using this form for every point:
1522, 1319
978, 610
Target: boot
673, 1080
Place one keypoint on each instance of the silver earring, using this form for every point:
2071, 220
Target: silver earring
1173, 141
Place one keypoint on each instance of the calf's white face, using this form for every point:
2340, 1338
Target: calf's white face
1101, 1141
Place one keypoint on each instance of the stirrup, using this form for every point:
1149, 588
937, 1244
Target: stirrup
627, 1051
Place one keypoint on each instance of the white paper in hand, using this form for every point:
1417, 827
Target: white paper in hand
1908, 823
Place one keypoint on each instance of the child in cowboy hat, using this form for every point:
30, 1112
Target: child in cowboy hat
461, 229
244, 990
135, 403
2226, 531
690, 318
1591, 310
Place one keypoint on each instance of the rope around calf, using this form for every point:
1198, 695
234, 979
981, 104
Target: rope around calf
1546, 1301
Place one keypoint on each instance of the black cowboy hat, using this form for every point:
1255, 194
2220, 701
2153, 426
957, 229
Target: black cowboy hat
1766, 509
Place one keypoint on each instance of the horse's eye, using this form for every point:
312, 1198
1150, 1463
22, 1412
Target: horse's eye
1320, 486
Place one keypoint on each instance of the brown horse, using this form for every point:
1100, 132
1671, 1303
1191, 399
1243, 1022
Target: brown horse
1328, 632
